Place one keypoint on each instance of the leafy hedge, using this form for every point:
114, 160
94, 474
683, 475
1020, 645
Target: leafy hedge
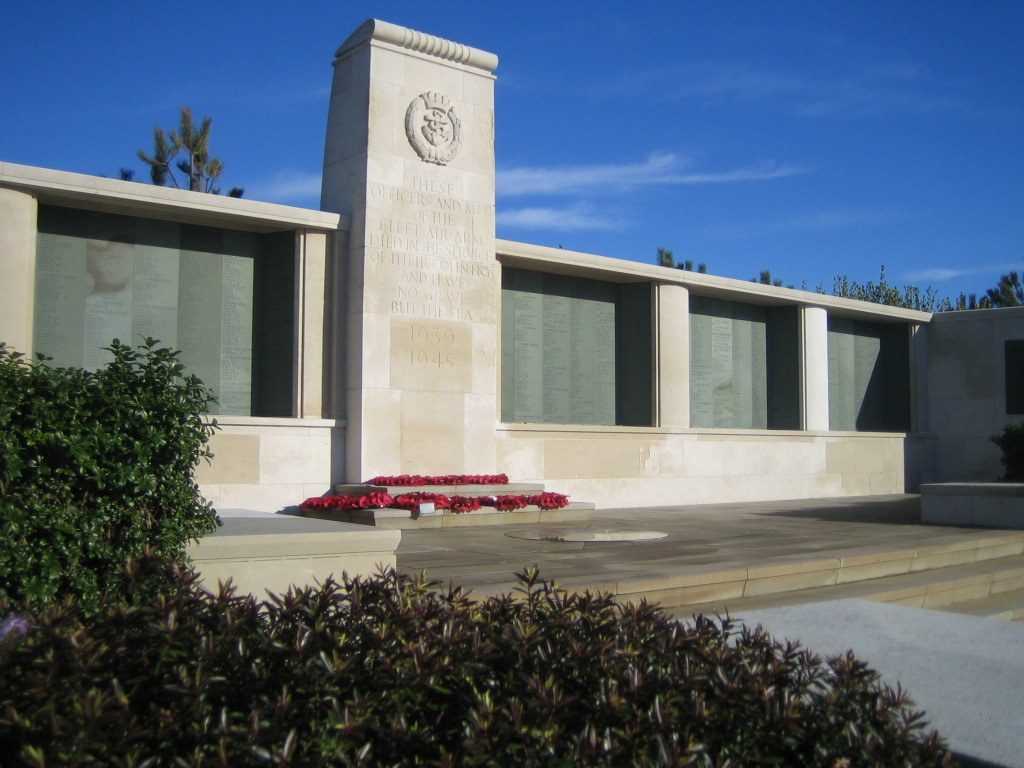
94, 467
1011, 442
388, 671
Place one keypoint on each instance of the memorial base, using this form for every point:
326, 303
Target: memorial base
403, 519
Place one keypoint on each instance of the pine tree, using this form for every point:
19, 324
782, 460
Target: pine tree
200, 169
1008, 291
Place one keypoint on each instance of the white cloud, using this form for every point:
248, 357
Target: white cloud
660, 169
572, 219
940, 274
287, 187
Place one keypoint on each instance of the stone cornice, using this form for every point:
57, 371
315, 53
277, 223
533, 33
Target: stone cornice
375, 29
137, 199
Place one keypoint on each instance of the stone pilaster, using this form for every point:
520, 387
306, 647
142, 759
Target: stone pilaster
814, 346
410, 157
672, 328
18, 212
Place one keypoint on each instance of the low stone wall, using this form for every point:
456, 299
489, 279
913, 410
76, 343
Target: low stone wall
995, 505
273, 552
627, 467
270, 464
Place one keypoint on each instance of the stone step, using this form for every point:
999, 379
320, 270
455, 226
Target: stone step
1006, 606
403, 519
892, 574
509, 489
931, 588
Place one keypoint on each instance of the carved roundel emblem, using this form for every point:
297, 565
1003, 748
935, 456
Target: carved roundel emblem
433, 128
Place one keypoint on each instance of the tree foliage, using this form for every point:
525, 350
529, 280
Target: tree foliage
891, 294
1008, 292
186, 149
94, 467
392, 670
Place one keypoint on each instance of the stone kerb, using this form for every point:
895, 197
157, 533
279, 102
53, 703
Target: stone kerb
410, 153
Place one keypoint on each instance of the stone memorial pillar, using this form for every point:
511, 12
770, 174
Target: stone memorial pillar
814, 325
17, 285
410, 157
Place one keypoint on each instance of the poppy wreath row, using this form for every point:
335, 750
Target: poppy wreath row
414, 480
456, 504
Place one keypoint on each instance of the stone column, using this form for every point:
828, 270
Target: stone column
672, 332
410, 157
17, 268
311, 263
814, 326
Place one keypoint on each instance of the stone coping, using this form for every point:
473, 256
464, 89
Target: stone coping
597, 429
986, 315
529, 256
137, 199
972, 489
419, 42
287, 536
274, 421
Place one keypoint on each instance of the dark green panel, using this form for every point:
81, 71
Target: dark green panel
198, 289
728, 364
560, 350
274, 326
869, 375
783, 368
556, 372
1013, 351
508, 346
634, 371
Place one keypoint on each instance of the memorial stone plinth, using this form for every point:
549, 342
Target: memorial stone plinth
410, 157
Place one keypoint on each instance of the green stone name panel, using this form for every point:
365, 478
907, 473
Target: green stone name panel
868, 376
192, 288
744, 365
559, 342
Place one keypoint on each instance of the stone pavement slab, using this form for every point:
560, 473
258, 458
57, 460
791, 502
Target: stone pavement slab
754, 534
966, 673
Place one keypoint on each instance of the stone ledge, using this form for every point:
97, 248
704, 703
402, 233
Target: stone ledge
273, 552
972, 489
402, 519
996, 505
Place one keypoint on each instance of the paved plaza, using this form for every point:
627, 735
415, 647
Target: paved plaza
790, 545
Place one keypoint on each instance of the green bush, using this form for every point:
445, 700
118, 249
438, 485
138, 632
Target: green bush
94, 467
1011, 441
388, 671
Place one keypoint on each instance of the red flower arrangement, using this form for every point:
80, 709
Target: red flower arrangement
456, 504
414, 480
375, 500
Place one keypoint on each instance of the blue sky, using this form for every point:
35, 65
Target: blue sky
809, 138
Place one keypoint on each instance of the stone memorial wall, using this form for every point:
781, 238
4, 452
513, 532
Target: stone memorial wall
868, 376
127, 278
